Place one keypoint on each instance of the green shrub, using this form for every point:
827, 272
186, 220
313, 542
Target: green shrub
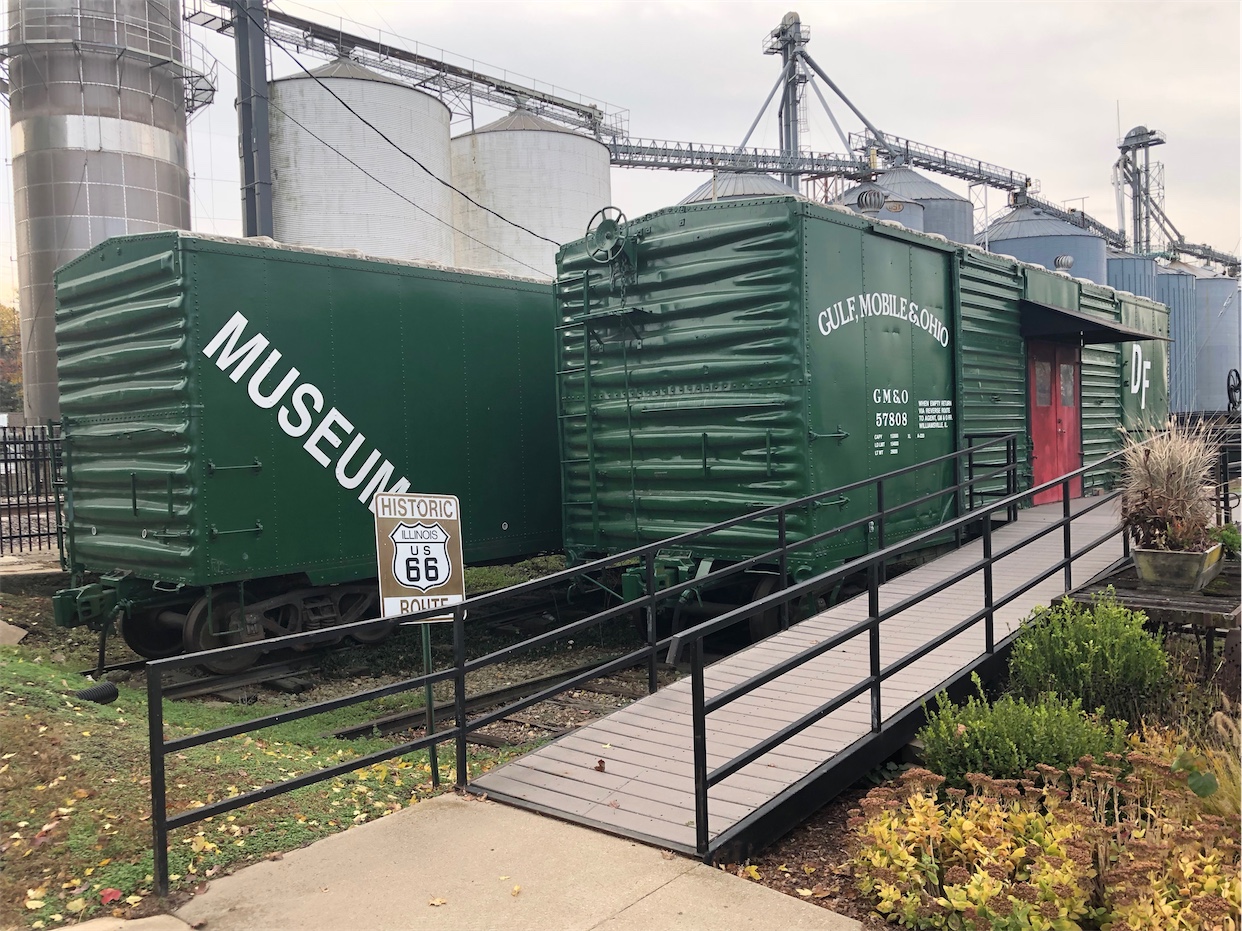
1100, 656
1228, 537
1007, 738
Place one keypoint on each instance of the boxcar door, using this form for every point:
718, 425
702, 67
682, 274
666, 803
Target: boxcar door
1069, 419
1053, 372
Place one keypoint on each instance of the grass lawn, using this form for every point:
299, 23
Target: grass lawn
75, 819
75, 829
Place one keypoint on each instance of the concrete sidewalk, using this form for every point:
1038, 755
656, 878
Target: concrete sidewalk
492, 867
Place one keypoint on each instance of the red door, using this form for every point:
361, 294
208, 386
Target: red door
1056, 428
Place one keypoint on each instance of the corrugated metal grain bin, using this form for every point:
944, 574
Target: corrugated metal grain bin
744, 353
231, 407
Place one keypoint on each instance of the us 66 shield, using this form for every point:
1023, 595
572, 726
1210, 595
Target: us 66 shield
418, 544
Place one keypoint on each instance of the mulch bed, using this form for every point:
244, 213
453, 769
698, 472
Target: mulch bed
815, 857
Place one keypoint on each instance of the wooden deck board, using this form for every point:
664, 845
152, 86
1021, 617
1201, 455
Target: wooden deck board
646, 788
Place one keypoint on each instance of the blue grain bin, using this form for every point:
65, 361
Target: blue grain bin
944, 212
1133, 273
1176, 290
1030, 235
879, 202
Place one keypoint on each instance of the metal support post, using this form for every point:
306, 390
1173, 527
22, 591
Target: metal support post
459, 692
698, 716
249, 30
430, 701
880, 510
957, 497
159, 800
1065, 529
989, 633
782, 543
652, 679
873, 612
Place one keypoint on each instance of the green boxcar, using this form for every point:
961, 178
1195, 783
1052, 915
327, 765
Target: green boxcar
747, 352
231, 407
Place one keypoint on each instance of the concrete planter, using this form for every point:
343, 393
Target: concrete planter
1182, 571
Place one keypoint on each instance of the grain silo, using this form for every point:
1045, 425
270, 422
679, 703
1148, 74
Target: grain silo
327, 191
731, 185
1030, 235
539, 175
1133, 273
1218, 335
97, 106
1176, 290
878, 202
944, 212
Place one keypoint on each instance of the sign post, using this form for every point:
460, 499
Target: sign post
418, 548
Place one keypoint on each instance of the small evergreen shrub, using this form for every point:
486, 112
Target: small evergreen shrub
1228, 537
1100, 656
1010, 736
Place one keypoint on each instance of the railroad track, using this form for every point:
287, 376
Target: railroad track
408, 723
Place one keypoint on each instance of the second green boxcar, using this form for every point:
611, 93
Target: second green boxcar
732, 355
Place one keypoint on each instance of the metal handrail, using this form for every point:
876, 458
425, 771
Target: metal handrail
162, 823
871, 563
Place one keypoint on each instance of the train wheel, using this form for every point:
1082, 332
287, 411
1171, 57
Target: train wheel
147, 636
769, 622
354, 607
221, 626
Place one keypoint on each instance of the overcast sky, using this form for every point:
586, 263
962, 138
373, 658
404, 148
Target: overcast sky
1033, 86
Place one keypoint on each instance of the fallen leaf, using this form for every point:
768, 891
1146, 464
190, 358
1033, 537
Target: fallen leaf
504, 877
75, 905
133, 900
782, 868
751, 871
599, 766
606, 746
108, 896
516, 890
808, 869
667, 854
804, 892
614, 804
436, 903
35, 904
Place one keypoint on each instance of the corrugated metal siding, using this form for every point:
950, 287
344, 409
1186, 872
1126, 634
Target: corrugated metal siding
1133, 273
1101, 382
1178, 292
993, 368
126, 399
697, 397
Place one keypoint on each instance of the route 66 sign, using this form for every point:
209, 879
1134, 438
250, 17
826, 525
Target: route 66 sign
418, 546
420, 558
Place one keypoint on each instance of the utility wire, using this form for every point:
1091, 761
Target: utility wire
387, 139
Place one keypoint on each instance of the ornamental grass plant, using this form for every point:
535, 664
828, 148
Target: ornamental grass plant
1165, 496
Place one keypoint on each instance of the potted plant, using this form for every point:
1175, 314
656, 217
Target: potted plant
1166, 506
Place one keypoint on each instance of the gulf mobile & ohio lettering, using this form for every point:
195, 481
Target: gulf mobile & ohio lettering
862, 306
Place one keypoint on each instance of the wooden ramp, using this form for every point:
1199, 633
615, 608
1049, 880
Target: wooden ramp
631, 773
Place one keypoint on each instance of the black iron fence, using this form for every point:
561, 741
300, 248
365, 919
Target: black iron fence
990, 461
30, 475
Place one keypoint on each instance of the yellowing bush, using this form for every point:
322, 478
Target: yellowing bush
1097, 848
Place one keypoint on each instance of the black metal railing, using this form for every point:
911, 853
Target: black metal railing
872, 563
774, 518
30, 476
